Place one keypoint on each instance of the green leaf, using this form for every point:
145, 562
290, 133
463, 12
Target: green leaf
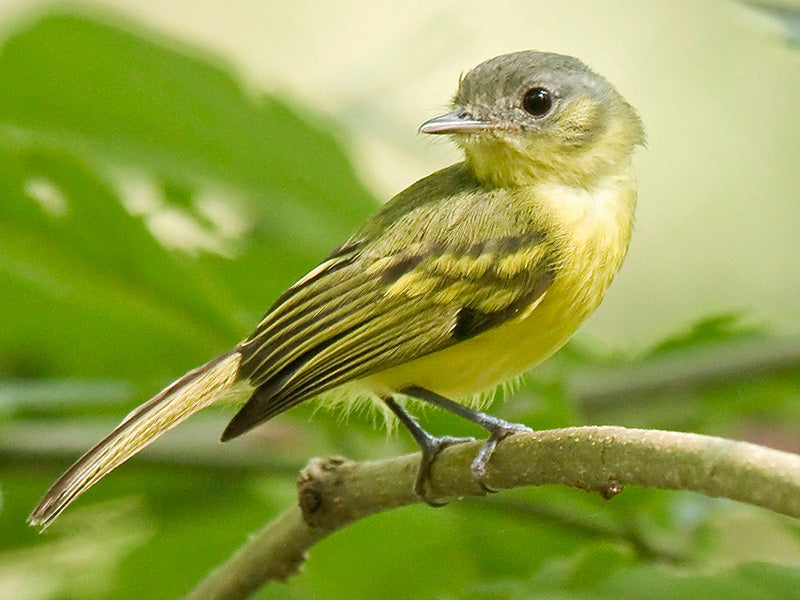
714, 329
99, 117
139, 99
82, 286
749, 582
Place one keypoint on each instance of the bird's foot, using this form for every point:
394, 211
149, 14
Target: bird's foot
498, 431
431, 447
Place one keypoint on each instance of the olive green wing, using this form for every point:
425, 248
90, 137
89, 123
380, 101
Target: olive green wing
371, 307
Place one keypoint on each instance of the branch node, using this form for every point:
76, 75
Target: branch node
315, 486
611, 489
290, 566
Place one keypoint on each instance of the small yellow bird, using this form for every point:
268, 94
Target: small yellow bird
460, 282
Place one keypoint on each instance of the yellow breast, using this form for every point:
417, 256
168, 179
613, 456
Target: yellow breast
592, 229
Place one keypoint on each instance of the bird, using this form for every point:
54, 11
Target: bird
467, 278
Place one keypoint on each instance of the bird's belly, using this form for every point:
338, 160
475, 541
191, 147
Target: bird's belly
595, 233
478, 364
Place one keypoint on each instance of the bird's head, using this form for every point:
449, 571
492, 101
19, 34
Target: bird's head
535, 116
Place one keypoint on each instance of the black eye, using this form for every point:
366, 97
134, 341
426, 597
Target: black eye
537, 102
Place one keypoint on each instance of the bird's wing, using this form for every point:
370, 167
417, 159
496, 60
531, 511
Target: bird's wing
374, 305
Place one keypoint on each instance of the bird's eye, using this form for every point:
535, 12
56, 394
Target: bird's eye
537, 101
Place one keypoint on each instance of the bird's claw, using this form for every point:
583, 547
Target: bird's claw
432, 448
481, 460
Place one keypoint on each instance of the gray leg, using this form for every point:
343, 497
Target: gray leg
497, 428
430, 445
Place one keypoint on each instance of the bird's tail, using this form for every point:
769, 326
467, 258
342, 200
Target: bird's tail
192, 392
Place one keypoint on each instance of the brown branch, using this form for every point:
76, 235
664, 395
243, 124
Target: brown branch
335, 492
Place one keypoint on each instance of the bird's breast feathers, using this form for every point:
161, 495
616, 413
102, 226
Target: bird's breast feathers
587, 236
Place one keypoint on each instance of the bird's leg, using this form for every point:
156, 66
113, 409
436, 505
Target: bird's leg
430, 445
497, 428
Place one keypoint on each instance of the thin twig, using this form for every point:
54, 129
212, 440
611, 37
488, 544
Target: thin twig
335, 492
192, 445
690, 369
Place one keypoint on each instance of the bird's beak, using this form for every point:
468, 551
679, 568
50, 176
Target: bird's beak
458, 121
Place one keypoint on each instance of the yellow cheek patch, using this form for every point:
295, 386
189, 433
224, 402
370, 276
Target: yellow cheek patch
580, 118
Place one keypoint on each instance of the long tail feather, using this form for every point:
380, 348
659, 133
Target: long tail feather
192, 392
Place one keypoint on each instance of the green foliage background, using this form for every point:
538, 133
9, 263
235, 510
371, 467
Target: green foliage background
150, 209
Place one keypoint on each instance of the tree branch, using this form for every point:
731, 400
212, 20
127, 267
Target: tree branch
733, 361
335, 492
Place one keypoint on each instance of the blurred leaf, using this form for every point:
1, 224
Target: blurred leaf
716, 378
714, 329
83, 563
93, 265
137, 99
620, 580
88, 288
786, 14
29, 395
591, 565
738, 534
749, 582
